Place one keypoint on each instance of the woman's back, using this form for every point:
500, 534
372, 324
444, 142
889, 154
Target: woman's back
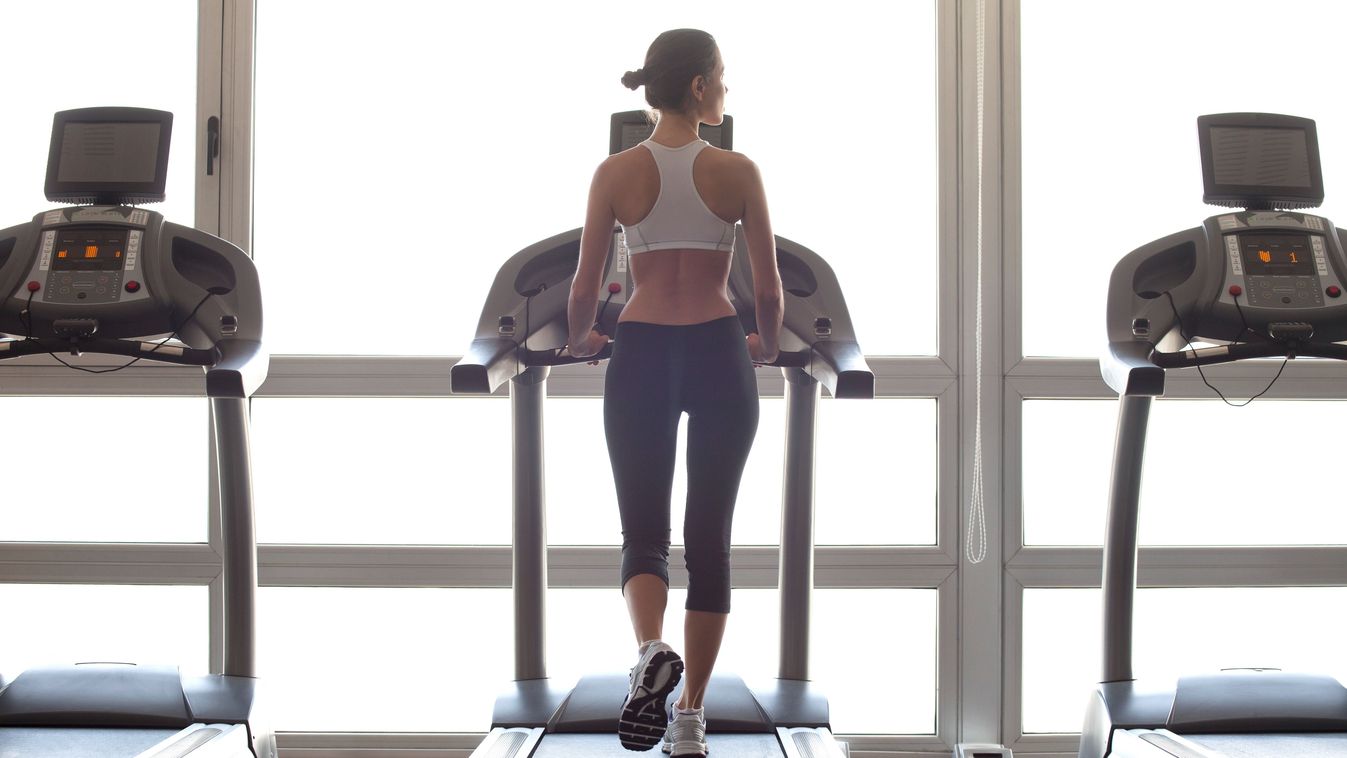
677, 285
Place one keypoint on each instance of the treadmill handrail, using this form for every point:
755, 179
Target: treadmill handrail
165, 352
1207, 356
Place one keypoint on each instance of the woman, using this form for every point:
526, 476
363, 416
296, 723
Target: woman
679, 348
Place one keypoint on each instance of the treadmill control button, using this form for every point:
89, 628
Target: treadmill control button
133, 286
34, 286
1286, 298
1236, 290
1333, 291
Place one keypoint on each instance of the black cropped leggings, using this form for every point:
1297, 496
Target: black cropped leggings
657, 373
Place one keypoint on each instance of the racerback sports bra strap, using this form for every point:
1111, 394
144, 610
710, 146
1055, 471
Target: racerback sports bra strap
679, 219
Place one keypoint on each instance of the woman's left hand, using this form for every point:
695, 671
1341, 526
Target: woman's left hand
593, 343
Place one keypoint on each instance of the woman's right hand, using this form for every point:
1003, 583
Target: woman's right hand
756, 352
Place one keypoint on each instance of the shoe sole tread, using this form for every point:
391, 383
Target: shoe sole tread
644, 720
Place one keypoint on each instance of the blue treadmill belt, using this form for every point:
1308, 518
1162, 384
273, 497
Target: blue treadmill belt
1273, 745
62, 742
603, 745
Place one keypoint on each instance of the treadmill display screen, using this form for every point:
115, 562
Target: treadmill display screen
1277, 255
103, 251
109, 152
1261, 157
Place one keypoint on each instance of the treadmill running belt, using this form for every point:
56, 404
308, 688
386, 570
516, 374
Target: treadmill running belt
604, 745
1273, 745
63, 742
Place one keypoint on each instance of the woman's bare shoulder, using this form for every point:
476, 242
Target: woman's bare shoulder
732, 166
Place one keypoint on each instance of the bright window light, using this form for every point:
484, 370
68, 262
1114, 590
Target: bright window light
1110, 156
118, 445
1194, 489
1296, 629
435, 657
50, 51
429, 143
877, 472
382, 470
72, 623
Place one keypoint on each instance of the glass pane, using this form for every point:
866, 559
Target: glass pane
1105, 124
890, 694
65, 623
863, 449
433, 659
444, 117
131, 469
1192, 491
50, 69
588, 516
842, 658
382, 470
1293, 628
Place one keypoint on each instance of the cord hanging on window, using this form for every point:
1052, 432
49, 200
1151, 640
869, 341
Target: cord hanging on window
975, 539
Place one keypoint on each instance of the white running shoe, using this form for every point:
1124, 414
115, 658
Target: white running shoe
686, 737
644, 717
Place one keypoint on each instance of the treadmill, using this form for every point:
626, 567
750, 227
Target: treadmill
1259, 281
519, 337
104, 277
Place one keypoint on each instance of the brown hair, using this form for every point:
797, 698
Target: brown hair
674, 59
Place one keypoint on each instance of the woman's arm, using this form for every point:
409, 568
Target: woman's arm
595, 240
767, 296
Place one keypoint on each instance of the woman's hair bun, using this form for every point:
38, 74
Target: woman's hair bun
633, 79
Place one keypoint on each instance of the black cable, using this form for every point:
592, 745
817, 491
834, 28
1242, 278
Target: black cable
138, 358
26, 318
1203, 374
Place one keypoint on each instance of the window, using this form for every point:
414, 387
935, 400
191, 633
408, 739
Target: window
395, 137
61, 624
107, 469
1291, 628
382, 470
1209, 476
341, 659
50, 59
1110, 157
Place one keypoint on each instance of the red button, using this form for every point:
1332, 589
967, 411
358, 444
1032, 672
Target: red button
34, 286
1236, 290
614, 288
132, 286
1333, 291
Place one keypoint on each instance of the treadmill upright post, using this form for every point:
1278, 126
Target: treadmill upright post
237, 534
1120, 542
527, 392
797, 523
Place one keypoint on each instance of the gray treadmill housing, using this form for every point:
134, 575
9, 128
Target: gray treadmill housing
175, 266
816, 324
1204, 270
124, 695
1197, 267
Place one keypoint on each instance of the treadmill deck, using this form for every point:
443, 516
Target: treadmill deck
603, 745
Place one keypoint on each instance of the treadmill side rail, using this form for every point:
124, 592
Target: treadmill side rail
518, 742
809, 742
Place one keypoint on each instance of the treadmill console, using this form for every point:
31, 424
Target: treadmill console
1265, 281
1280, 261
88, 262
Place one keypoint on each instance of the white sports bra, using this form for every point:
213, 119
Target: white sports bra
680, 218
